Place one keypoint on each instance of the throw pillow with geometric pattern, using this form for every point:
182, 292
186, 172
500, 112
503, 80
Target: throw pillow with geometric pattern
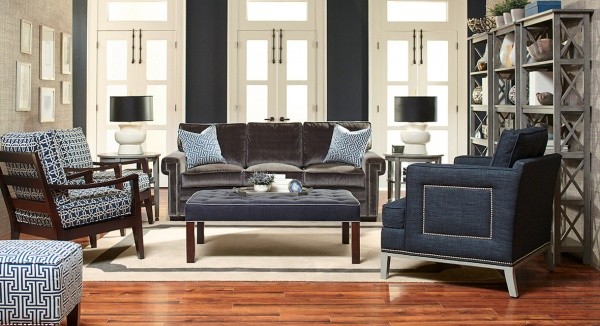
348, 146
202, 148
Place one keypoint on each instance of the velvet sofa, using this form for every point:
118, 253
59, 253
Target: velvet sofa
294, 149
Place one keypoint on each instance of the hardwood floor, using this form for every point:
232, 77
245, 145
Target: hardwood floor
570, 295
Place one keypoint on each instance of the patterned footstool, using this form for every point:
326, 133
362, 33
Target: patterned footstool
40, 282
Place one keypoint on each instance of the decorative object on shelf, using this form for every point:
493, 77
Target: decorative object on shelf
130, 110
512, 95
541, 50
477, 95
481, 25
545, 98
484, 131
539, 81
537, 6
482, 62
417, 110
397, 149
512, 56
262, 181
497, 11
517, 8
507, 18
507, 44
295, 186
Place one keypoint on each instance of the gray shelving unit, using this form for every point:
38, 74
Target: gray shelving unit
569, 115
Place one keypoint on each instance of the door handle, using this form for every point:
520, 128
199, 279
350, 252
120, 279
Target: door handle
421, 45
282, 119
140, 46
280, 45
414, 46
270, 119
273, 48
133, 46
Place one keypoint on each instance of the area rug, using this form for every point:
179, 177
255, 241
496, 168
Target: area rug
262, 252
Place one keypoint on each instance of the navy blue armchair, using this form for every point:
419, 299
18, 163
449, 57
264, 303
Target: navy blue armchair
494, 212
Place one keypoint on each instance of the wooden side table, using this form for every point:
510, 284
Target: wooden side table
394, 167
154, 179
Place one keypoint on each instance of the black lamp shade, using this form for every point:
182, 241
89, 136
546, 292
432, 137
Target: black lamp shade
131, 108
415, 108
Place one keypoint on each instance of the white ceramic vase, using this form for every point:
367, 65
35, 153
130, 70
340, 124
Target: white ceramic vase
505, 48
517, 13
507, 18
499, 21
262, 188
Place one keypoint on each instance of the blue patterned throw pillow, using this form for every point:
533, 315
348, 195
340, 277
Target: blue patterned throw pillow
202, 148
348, 146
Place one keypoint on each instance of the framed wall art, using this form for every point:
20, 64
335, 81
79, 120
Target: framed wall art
23, 87
66, 92
66, 53
26, 36
47, 104
46, 53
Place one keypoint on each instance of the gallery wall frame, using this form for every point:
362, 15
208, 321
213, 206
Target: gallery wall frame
47, 104
26, 36
66, 92
47, 53
66, 53
23, 86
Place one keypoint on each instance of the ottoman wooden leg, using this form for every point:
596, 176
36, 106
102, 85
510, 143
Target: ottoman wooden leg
200, 231
345, 232
190, 246
355, 242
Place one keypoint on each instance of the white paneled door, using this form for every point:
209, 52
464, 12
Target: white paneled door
137, 62
276, 76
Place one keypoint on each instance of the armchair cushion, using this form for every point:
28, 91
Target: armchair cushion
202, 148
519, 144
73, 148
107, 175
348, 146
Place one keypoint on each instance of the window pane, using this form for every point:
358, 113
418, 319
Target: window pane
297, 60
257, 60
392, 91
417, 11
116, 60
159, 104
437, 61
276, 11
138, 11
393, 138
441, 91
257, 103
111, 144
297, 103
397, 57
438, 144
113, 90
156, 141
156, 60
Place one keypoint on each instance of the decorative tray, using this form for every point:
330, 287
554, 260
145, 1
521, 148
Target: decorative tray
249, 191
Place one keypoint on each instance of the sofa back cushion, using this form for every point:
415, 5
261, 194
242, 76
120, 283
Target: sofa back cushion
231, 137
316, 138
275, 143
519, 144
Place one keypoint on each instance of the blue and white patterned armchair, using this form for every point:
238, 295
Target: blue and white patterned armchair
75, 154
40, 201
481, 211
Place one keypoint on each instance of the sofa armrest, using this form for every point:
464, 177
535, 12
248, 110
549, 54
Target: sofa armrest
173, 163
373, 161
373, 166
473, 160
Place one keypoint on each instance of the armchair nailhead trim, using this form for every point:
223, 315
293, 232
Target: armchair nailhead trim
454, 235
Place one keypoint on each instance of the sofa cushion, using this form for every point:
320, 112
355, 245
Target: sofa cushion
348, 146
202, 148
212, 175
275, 143
519, 144
316, 138
333, 175
290, 171
231, 137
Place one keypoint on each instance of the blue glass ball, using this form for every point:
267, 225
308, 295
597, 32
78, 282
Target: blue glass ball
295, 186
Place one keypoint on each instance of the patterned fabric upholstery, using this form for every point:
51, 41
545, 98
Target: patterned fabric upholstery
202, 148
75, 153
40, 281
84, 207
348, 146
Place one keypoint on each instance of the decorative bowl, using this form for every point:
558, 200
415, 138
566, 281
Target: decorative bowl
480, 25
541, 50
477, 95
545, 98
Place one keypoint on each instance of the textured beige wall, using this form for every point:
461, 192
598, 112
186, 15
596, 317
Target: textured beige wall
55, 14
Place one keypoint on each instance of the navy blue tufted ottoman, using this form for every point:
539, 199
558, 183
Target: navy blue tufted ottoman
40, 282
319, 205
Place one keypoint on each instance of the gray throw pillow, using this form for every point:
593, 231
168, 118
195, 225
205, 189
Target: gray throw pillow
202, 148
348, 146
